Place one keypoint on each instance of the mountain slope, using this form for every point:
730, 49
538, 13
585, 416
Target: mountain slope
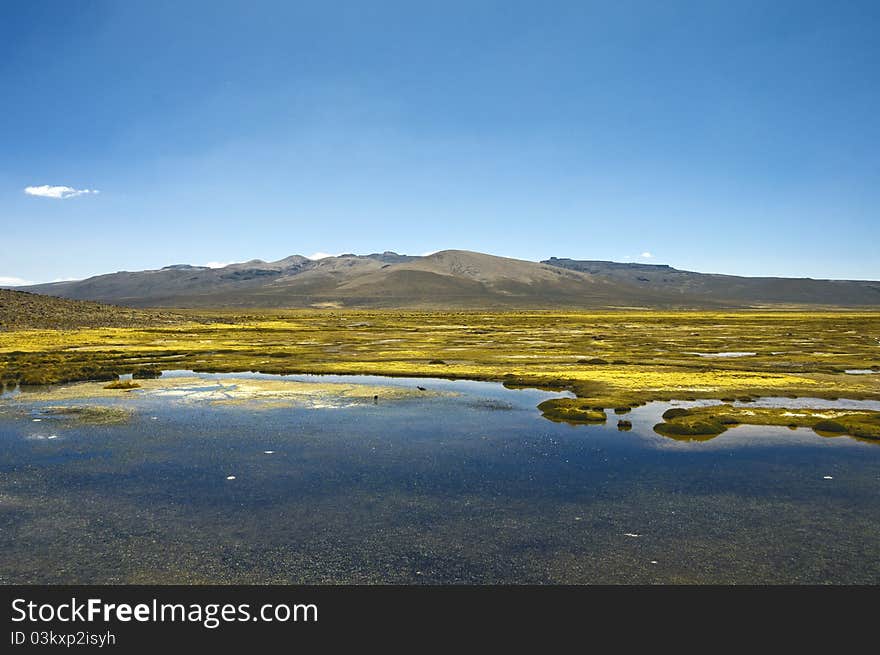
450, 279
21, 310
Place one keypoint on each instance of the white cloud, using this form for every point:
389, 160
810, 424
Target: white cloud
58, 192
429, 253
217, 264
646, 255
13, 281
321, 255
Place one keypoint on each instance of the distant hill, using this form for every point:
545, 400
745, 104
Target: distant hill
20, 310
730, 289
449, 279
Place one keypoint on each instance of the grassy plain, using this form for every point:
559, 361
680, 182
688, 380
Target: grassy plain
609, 360
623, 350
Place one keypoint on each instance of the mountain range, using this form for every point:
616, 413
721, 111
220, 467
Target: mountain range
451, 279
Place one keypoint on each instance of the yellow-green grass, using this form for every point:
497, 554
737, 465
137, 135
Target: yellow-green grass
710, 421
649, 355
124, 385
572, 410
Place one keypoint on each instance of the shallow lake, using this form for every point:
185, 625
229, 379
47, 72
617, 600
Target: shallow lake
464, 482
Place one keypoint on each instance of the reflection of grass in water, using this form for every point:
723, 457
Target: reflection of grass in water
86, 414
490, 404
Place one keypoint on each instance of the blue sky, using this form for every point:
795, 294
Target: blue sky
736, 137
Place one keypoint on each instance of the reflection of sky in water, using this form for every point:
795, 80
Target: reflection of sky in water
475, 487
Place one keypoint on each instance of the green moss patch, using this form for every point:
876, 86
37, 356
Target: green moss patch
716, 419
691, 427
571, 410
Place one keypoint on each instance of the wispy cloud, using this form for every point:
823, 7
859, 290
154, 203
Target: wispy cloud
57, 192
13, 281
646, 255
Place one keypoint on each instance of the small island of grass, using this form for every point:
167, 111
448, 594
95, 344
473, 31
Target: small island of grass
712, 420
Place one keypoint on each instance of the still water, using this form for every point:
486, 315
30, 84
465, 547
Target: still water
464, 483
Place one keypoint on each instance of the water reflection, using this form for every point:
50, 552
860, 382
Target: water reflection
468, 485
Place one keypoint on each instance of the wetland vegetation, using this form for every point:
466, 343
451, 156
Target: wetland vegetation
608, 360
712, 420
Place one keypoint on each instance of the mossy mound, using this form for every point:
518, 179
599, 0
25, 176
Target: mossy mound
675, 412
691, 427
832, 427
571, 410
865, 429
123, 385
147, 373
592, 360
